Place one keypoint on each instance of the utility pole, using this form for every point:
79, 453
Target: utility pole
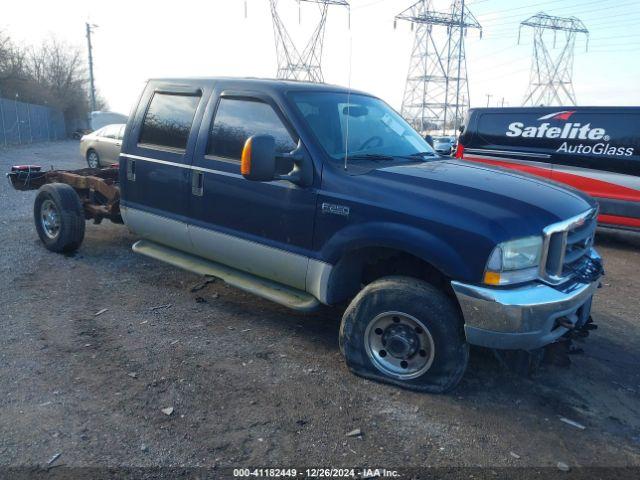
488, 98
92, 87
437, 90
551, 80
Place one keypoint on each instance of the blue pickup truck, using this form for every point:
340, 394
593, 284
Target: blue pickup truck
310, 195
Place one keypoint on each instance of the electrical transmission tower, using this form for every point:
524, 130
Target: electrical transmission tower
551, 78
437, 91
295, 64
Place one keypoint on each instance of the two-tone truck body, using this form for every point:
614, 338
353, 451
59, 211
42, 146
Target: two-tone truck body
310, 194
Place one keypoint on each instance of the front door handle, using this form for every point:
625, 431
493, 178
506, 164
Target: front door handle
197, 183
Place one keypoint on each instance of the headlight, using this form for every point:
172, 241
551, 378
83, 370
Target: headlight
516, 261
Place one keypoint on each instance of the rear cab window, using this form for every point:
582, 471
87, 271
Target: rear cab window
168, 120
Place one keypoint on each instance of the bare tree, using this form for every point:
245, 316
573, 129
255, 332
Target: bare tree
12, 59
59, 70
51, 73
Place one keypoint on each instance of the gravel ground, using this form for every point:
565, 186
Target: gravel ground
251, 383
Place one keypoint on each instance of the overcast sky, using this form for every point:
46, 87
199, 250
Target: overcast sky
136, 40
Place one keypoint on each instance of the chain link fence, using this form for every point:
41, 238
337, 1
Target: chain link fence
22, 123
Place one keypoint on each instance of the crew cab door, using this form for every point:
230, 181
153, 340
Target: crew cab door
264, 228
155, 164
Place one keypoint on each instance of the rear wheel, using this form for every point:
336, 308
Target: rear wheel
406, 332
59, 217
93, 159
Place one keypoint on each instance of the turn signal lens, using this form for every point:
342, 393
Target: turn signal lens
492, 278
245, 162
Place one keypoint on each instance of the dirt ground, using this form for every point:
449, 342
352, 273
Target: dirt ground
254, 384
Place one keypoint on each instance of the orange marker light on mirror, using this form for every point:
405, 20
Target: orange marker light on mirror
245, 161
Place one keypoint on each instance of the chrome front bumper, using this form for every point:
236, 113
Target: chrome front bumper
524, 317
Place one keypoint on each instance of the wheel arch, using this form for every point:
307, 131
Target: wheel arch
368, 252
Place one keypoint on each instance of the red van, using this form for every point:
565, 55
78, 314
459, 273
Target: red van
594, 149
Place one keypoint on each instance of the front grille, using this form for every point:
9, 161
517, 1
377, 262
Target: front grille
567, 245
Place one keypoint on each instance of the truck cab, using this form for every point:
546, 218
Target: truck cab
310, 195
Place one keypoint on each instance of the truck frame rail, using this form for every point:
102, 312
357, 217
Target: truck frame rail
97, 188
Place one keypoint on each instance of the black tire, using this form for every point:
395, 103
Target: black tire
69, 215
90, 158
419, 301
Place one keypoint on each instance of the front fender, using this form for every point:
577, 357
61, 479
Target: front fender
405, 238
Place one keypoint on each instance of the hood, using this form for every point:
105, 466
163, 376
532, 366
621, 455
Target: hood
501, 203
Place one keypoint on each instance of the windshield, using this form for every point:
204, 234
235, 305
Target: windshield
374, 128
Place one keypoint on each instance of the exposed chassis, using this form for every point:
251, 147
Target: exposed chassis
97, 188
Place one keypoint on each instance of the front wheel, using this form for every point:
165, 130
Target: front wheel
93, 159
406, 332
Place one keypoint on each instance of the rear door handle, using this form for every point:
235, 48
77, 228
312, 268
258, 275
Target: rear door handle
131, 170
197, 183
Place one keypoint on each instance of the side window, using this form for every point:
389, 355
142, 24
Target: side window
168, 120
110, 131
236, 120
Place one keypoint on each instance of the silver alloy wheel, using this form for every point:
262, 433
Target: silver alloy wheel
50, 218
399, 345
92, 159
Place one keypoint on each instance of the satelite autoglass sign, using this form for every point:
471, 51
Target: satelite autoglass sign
577, 137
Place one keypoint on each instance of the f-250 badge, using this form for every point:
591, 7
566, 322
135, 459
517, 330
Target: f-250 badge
335, 209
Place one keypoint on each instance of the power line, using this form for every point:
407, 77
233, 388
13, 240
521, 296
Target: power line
629, 17
502, 19
367, 5
494, 77
501, 34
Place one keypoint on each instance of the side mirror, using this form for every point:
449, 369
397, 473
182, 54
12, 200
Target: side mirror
258, 161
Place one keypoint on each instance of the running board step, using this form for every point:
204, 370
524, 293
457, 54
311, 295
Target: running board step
268, 289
